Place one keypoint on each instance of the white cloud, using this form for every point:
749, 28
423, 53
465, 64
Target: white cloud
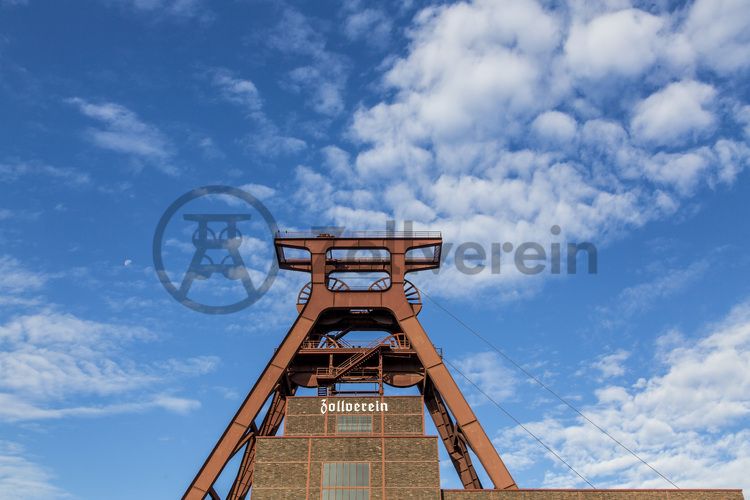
172, 8
314, 189
266, 139
686, 419
406, 206
554, 125
175, 404
718, 31
742, 114
17, 279
338, 161
681, 170
295, 35
370, 25
644, 296
324, 75
19, 474
270, 142
19, 286
17, 409
208, 147
621, 43
490, 128
10, 172
124, 132
731, 158
486, 370
237, 90
327, 83
675, 114
49, 360
612, 365
260, 191
450, 79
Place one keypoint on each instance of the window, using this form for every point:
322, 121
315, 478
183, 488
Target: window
353, 424
346, 481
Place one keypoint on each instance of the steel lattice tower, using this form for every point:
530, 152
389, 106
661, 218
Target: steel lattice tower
315, 352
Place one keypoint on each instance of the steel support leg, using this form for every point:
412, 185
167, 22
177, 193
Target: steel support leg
466, 421
451, 436
269, 427
240, 424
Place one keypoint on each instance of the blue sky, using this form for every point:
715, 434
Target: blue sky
626, 124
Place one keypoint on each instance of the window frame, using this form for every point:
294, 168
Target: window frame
354, 425
347, 491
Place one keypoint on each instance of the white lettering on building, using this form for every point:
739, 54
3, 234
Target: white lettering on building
348, 407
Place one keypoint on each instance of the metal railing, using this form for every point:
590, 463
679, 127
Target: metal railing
331, 233
396, 341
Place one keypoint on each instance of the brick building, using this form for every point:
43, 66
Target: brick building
370, 448
362, 445
349, 454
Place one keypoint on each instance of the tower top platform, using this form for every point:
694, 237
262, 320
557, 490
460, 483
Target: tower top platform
394, 252
390, 235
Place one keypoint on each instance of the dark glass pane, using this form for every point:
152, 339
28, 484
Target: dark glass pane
354, 423
352, 479
360, 476
340, 475
365, 473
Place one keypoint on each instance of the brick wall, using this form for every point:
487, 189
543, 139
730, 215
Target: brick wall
594, 495
403, 462
405, 415
400, 467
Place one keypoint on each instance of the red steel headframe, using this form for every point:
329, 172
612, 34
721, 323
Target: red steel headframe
323, 256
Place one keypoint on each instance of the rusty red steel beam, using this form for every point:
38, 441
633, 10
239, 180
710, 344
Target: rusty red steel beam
449, 434
240, 423
466, 421
269, 427
321, 299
